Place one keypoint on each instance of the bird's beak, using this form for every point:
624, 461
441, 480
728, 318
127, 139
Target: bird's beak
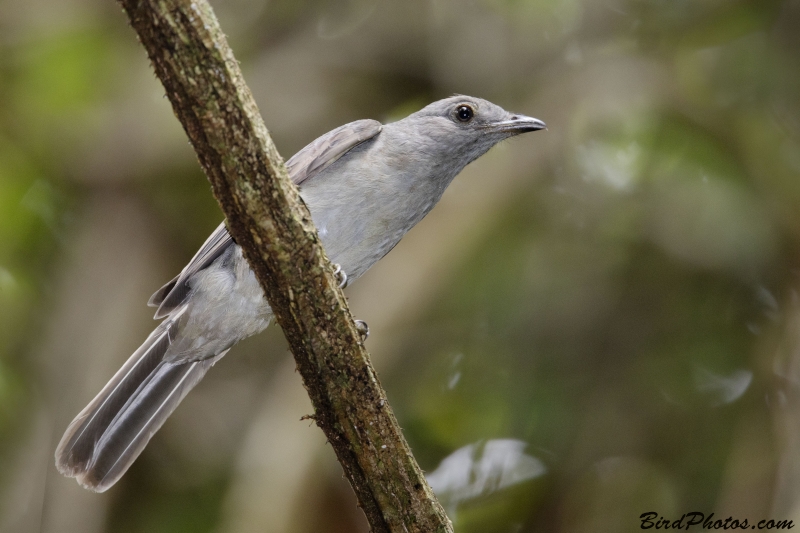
518, 124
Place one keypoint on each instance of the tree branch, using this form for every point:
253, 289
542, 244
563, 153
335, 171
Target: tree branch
268, 220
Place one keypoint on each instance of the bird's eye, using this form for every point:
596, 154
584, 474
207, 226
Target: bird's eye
464, 113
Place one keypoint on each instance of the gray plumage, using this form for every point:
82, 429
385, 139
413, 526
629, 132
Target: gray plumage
365, 184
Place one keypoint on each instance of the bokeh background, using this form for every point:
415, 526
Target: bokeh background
598, 321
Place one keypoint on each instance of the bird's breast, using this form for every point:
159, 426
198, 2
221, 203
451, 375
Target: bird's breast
361, 211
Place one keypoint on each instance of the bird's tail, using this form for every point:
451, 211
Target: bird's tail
110, 433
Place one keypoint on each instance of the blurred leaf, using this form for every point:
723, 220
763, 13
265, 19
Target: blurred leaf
63, 72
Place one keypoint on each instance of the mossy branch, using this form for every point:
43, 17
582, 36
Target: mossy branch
267, 219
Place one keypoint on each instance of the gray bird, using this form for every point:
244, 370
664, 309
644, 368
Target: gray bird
366, 184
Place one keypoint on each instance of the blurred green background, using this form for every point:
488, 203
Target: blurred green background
597, 321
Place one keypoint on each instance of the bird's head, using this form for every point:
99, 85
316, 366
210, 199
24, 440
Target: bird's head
465, 127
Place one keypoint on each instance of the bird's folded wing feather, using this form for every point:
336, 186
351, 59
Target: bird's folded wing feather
325, 150
303, 166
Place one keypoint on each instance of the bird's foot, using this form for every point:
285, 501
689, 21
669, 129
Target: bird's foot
341, 275
363, 329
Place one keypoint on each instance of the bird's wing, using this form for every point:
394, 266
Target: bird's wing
174, 293
327, 149
304, 165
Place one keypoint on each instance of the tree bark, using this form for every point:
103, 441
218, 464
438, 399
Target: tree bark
268, 220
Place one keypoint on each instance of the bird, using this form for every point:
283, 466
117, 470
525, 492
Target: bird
366, 184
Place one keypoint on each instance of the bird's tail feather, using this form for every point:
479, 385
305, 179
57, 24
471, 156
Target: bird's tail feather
111, 432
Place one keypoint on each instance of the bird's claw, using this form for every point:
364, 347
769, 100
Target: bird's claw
363, 329
341, 275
